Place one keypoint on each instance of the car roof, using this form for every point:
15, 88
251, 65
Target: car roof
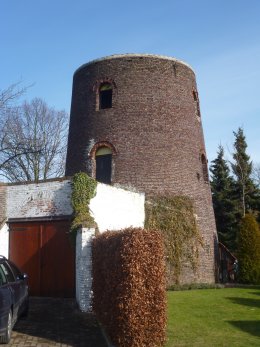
2, 258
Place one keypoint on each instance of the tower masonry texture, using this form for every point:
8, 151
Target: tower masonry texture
153, 130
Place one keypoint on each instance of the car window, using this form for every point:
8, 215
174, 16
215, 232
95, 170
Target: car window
14, 269
8, 273
2, 276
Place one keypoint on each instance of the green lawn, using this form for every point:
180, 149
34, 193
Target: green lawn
214, 317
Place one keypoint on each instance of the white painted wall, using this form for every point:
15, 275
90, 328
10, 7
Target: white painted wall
115, 208
4, 240
84, 269
112, 208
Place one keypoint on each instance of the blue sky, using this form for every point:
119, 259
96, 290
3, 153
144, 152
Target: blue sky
43, 42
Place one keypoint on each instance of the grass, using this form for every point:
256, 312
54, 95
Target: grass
227, 317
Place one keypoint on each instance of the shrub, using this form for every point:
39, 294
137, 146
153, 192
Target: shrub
191, 286
83, 190
129, 287
249, 251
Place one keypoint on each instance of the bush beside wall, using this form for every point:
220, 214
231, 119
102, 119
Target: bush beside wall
249, 251
129, 287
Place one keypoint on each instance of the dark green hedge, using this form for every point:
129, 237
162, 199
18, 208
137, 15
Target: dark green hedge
129, 287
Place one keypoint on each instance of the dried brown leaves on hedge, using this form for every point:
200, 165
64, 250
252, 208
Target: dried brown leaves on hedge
129, 287
174, 217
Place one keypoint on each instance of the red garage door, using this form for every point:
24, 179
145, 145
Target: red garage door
43, 250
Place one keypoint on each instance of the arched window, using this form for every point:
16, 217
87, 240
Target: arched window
204, 168
105, 95
103, 159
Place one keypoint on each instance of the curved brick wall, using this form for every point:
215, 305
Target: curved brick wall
155, 129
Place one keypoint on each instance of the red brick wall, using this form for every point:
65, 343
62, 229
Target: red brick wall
155, 129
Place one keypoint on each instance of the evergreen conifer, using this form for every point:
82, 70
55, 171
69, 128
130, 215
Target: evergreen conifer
248, 197
222, 186
249, 250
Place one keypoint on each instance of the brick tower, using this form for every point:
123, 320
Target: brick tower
135, 122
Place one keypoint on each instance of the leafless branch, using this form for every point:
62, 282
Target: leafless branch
33, 142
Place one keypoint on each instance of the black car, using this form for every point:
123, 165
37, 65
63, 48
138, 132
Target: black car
13, 297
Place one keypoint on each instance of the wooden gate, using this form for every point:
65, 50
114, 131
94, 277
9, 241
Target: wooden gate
43, 251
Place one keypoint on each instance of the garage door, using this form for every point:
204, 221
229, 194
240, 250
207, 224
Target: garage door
43, 250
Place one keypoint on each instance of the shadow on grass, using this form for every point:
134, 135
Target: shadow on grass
246, 302
256, 293
251, 326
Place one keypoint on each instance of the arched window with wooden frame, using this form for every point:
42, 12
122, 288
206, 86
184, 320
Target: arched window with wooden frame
103, 159
102, 155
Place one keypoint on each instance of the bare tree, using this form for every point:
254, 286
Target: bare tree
9, 95
8, 100
33, 142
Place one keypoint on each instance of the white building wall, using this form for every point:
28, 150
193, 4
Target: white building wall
112, 208
4, 240
84, 269
115, 208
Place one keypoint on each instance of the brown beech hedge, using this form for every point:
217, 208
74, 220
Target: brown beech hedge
129, 287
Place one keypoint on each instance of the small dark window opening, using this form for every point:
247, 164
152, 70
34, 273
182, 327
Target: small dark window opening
195, 96
196, 99
104, 165
204, 168
105, 96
